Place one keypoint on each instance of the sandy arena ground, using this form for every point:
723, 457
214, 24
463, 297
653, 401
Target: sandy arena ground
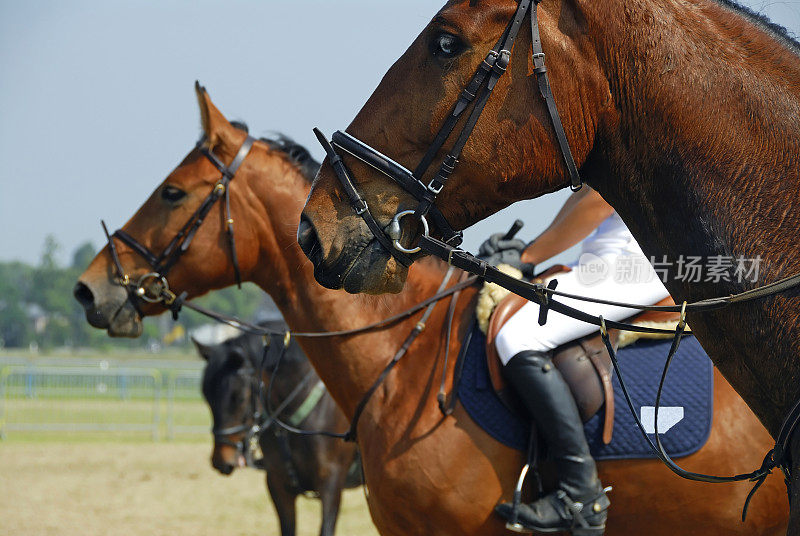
71, 489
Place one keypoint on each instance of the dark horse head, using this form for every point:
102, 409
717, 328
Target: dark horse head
231, 388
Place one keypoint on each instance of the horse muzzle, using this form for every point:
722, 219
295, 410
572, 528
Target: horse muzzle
108, 307
359, 264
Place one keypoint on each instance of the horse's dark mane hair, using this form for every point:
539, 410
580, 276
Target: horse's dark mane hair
763, 21
295, 152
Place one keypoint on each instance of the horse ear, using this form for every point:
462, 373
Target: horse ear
202, 349
212, 120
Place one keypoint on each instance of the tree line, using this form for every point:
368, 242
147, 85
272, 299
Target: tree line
37, 309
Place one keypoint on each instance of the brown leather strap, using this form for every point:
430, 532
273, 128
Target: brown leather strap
602, 364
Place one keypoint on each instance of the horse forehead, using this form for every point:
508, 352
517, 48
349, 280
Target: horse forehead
194, 170
470, 16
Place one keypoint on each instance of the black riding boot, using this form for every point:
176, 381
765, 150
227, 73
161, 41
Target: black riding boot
579, 505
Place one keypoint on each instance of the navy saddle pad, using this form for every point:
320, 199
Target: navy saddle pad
684, 418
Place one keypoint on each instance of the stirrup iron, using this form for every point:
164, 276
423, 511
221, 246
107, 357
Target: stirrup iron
513, 524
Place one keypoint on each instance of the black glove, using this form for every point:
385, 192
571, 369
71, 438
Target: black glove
498, 249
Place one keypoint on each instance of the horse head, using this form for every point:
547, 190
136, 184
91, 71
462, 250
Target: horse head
213, 230
231, 387
511, 154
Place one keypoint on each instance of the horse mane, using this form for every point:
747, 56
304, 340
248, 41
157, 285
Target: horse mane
763, 22
295, 152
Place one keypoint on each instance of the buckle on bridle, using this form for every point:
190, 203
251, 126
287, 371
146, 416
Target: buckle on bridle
490, 60
361, 208
432, 188
502, 61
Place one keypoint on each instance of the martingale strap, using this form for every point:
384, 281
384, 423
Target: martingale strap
352, 432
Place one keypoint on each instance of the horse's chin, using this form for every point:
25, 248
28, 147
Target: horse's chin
375, 271
126, 322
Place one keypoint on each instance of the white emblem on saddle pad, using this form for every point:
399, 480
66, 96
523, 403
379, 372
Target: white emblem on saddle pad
668, 416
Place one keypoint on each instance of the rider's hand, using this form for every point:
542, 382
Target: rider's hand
499, 250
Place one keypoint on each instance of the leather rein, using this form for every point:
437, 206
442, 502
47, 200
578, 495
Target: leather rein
477, 91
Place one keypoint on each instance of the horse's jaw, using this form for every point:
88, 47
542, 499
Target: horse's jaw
126, 322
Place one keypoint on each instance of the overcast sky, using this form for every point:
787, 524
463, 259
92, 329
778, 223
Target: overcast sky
97, 102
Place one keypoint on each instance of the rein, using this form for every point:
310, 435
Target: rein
428, 305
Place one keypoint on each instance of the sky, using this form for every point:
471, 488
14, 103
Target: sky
97, 103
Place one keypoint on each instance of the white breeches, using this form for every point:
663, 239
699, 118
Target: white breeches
523, 332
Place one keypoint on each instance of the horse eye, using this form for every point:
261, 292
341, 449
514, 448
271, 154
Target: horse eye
446, 45
172, 194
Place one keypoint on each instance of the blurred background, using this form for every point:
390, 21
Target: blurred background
96, 107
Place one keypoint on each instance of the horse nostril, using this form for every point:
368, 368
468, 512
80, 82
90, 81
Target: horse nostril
84, 295
307, 238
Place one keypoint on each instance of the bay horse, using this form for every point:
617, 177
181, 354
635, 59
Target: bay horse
683, 115
295, 465
426, 474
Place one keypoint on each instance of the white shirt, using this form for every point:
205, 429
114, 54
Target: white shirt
611, 238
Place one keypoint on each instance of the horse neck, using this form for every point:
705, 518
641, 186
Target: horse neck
706, 116
700, 157
348, 365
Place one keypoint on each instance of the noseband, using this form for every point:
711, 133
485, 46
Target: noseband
478, 90
153, 287
251, 425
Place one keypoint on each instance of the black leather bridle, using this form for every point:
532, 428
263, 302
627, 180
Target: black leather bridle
478, 90
252, 424
153, 286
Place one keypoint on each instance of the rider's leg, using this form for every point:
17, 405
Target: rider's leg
523, 332
579, 503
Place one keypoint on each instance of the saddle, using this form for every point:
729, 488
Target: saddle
584, 363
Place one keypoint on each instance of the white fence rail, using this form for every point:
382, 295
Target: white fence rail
161, 400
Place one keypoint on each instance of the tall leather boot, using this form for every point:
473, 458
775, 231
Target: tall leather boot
579, 505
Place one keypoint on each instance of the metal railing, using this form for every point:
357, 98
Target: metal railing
162, 401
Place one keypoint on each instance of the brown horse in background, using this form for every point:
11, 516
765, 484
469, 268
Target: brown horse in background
683, 115
426, 474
